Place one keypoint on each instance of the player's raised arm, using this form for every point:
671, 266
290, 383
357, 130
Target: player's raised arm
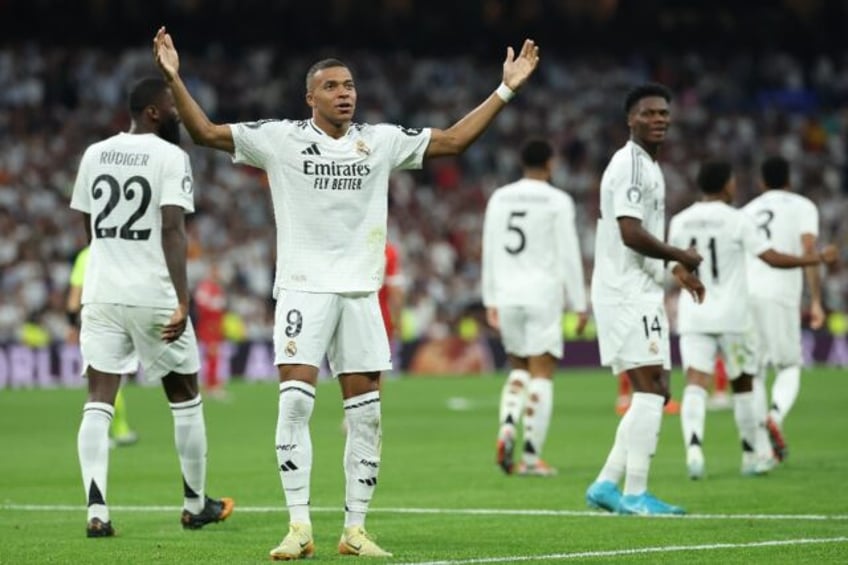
201, 129
516, 71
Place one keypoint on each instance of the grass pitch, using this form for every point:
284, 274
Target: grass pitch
441, 498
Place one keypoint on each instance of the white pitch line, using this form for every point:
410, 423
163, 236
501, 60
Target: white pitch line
455, 511
635, 551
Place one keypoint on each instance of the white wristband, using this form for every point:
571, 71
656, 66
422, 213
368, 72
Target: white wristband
505, 93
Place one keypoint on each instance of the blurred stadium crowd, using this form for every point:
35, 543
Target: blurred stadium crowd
54, 101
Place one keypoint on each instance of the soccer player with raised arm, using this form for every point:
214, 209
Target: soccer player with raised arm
727, 238
790, 221
628, 299
531, 261
134, 190
329, 189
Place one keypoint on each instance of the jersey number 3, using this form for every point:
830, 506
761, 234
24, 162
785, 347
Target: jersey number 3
129, 193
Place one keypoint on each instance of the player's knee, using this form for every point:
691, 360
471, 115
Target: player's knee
743, 383
296, 406
180, 388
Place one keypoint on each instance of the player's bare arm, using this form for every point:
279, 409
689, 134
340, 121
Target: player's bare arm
457, 138
817, 315
637, 238
175, 247
811, 258
197, 123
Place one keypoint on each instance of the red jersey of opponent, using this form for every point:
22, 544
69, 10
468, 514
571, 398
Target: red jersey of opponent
392, 278
210, 304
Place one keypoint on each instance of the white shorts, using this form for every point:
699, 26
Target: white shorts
778, 329
531, 330
115, 338
699, 352
633, 335
348, 328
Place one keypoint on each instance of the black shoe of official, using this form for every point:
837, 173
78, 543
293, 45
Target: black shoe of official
213, 511
97, 528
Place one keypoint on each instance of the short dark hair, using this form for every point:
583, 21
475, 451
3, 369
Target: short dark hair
713, 176
536, 152
320, 66
644, 91
145, 93
775, 171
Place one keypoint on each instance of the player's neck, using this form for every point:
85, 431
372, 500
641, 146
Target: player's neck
139, 128
334, 130
537, 174
652, 149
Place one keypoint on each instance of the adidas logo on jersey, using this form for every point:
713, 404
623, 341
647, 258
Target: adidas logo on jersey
311, 150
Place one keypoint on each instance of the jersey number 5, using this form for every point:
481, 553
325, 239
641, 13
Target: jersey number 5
513, 227
115, 193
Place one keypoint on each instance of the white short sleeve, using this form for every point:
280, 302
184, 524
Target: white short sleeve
808, 219
177, 182
408, 146
81, 196
629, 192
252, 143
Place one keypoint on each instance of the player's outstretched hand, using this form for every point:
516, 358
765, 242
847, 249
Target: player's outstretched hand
165, 54
176, 325
516, 70
690, 281
829, 254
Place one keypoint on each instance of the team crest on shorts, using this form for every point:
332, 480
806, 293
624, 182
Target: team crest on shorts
654, 348
291, 348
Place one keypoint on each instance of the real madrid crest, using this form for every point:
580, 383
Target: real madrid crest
291, 348
362, 148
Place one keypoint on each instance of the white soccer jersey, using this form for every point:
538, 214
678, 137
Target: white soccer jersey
727, 239
783, 217
531, 254
632, 185
123, 182
330, 197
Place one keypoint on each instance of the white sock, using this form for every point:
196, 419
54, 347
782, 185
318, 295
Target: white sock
513, 395
746, 419
190, 439
762, 444
294, 446
784, 392
693, 415
642, 439
616, 463
537, 417
93, 450
361, 455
